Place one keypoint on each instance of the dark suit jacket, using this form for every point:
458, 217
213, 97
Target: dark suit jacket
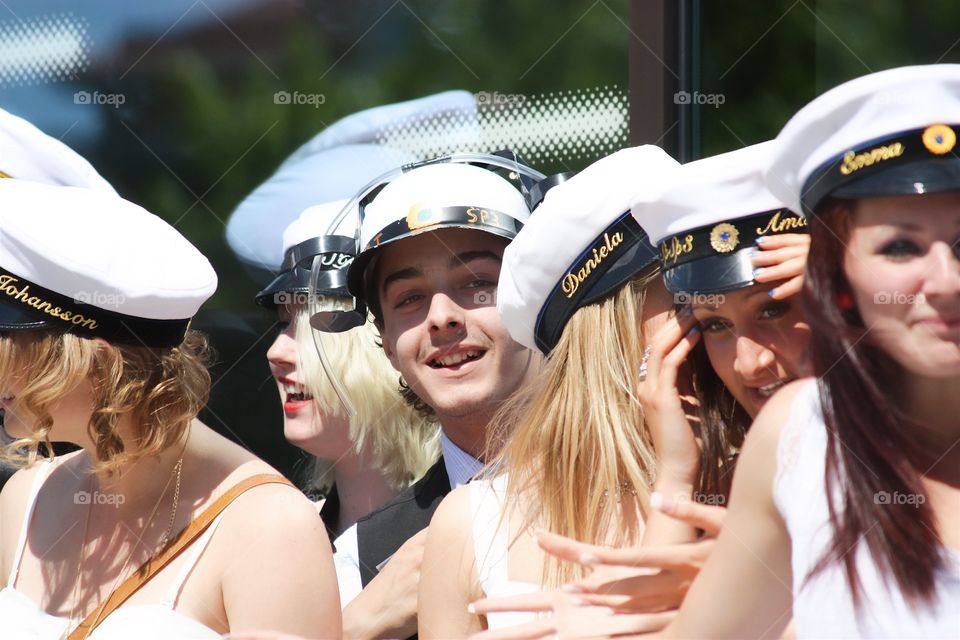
381, 532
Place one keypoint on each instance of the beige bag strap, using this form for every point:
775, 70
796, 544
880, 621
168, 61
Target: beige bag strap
171, 551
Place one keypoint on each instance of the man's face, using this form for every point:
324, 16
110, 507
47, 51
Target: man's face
441, 330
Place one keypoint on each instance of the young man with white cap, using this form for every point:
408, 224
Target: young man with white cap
432, 242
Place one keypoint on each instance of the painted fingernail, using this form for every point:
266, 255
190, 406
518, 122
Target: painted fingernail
760, 240
656, 500
772, 292
471, 608
758, 271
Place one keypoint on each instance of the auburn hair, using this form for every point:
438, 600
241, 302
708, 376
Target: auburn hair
162, 389
870, 439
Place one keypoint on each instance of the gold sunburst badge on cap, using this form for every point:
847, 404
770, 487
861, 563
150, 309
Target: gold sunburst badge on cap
724, 237
4, 174
939, 139
419, 216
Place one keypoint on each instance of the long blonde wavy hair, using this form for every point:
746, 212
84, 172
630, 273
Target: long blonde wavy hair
394, 438
573, 441
162, 388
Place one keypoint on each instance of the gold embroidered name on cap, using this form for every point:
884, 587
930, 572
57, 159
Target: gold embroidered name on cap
573, 280
672, 249
776, 224
23, 295
854, 161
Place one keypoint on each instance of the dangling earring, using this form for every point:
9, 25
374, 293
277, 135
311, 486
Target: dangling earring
844, 301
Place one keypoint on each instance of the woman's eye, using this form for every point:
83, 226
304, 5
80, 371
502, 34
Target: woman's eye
713, 325
901, 248
775, 310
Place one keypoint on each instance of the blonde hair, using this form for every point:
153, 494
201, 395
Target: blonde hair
574, 441
397, 440
162, 389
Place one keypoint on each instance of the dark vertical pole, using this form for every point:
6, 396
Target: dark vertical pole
655, 74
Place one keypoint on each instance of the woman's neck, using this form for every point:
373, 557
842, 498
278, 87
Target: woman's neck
361, 488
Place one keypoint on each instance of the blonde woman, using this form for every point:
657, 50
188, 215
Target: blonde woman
156, 527
581, 284
360, 461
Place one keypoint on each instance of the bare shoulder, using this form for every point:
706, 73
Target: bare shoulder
277, 512
453, 512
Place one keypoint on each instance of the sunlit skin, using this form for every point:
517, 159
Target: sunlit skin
442, 331
304, 425
755, 344
903, 264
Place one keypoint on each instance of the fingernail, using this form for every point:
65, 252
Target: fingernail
571, 588
694, 330
471, 608
656, 500
588, 558
772, 292
760, 240
758, 271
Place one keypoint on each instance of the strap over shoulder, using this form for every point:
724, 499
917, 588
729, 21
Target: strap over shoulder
152, 566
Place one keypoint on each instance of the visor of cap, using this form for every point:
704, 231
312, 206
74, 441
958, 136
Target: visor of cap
713, 274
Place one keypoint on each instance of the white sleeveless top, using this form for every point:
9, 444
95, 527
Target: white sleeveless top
21, 618
824, 607
490, 547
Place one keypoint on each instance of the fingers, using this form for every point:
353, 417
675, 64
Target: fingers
703, 516
767, 243
667, 338
530, 631
566, 548
671, 364
789, 288
531, 602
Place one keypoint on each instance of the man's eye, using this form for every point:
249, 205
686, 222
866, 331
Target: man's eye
480, 284
901, 248
408, 300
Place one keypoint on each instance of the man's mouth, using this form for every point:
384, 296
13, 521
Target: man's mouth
454, 359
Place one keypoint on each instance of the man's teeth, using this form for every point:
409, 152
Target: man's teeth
454, 359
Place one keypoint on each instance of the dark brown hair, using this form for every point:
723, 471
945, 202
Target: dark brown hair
870, 440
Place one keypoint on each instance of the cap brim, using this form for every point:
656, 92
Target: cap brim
358, 268
713, 274
637, 259
16, 318
933, 175
297, 281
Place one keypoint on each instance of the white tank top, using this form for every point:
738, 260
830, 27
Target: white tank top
21, 618
823, 608
491, 549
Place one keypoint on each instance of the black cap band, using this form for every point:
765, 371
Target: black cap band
424, 219
711, 259
25, 305
843, 176
613, 258
336, 253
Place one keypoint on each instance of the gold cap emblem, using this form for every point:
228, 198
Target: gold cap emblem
939, 139
724, 238
418, 216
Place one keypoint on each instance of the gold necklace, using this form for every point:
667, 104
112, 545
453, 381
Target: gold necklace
176, 472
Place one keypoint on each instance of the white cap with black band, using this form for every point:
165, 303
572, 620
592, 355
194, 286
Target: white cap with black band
91, 263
